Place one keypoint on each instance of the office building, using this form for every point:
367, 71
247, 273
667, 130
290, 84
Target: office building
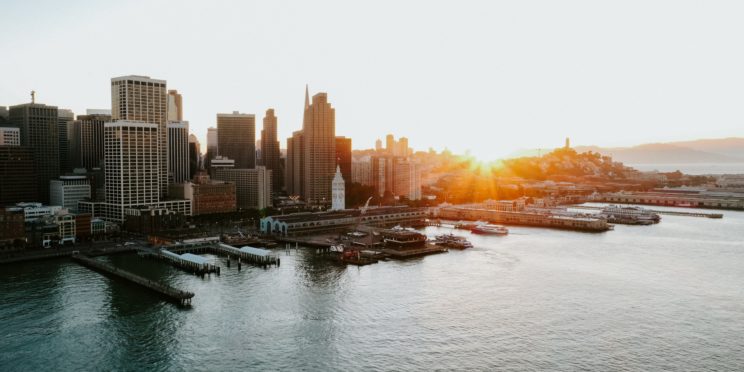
132, 169
380, 174
144, 100
212, 146
207, 196
236, 138
319, 149
178, 152
390, 144
87, 140
17, 177
361, 171
378, 145
407, 179
175, 106
403, 149
10, 136
68, 190
220, 162
39, 130
132, 173
270, 152
343, 156
252, 186
294, 171
194, 156
65, 121
3, 115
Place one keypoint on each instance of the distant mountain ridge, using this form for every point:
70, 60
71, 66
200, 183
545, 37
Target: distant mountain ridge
723, 150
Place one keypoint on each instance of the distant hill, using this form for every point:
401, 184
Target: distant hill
724, 150
732, 146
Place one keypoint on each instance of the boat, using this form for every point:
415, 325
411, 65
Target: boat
631, 215
452, 241
488, 229
465, 225
401, 237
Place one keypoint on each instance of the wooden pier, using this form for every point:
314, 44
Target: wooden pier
669, 213
172, 293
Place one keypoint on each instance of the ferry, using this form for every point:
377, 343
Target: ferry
488, 229
398, 236
453, 241
629, 215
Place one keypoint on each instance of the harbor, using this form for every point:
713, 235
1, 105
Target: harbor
485, 286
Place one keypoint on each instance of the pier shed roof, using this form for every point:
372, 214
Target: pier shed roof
195, 258
256, 251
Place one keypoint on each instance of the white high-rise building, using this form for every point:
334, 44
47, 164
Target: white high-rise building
178, 152
338, 191
142, 99
10, 136
132, 169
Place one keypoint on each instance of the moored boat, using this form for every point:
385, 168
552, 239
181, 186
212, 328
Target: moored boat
453, 241
489, 229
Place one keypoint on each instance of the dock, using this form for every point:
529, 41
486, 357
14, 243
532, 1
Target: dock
171, 293
188, 262
257, 256
668, 213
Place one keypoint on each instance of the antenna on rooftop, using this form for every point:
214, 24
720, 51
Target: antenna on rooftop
33, 96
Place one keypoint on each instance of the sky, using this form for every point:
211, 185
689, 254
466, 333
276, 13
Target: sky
487, 77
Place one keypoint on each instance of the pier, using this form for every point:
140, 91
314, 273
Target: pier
257, 256
188, 262
669, 213
172, 293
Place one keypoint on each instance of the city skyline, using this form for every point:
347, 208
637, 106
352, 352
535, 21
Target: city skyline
518, 75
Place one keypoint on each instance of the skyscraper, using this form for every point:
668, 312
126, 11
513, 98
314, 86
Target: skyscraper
403, 147
236, 138
175, 106
178, 152
142, 99
343, 156
17, 177
132, 169
270, 149
65, 121
378, 145
319, 153
87, 142
194, 155
39, 128
212, 146
294, 178
390, 144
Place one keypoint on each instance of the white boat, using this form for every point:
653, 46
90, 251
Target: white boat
488, 229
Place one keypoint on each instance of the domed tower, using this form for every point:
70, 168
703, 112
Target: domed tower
338, 191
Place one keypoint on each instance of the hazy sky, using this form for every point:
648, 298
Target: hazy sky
488, 76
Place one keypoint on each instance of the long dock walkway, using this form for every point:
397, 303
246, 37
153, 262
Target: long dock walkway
669, 213
258, 256
172, 293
